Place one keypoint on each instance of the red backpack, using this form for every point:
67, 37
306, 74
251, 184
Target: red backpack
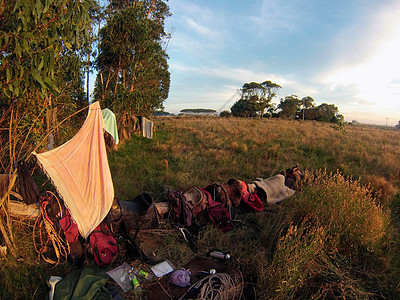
218, 214
104, 245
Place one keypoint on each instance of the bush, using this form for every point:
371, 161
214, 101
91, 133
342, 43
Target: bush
346, 209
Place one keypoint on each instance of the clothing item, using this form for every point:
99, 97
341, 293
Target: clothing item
251, 199
83, 284
27, 187
147, 126
110, 124
274, 188
80, 172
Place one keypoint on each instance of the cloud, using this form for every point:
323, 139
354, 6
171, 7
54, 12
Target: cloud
196, 27
376, 79
230, 74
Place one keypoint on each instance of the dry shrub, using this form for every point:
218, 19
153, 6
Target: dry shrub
298, 259
384, 189
306, 267
346, 208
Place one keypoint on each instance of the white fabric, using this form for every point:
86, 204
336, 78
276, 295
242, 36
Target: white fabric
110, 124
79, 170
147, 126
274, 187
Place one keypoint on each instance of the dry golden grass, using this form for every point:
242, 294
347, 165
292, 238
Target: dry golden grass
336, 239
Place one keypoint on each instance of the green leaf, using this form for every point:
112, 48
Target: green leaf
9, 74
18, 50
68, 45
40, 66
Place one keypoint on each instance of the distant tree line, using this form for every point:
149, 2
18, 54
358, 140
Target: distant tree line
198, 111
256, 101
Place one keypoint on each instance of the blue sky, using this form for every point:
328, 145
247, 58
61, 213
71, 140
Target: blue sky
342, 52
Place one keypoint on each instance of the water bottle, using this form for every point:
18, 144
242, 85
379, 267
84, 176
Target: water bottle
220, 255
133, 279
144, 274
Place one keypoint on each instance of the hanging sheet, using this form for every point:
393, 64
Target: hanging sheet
110, 124
147, 126
79, 170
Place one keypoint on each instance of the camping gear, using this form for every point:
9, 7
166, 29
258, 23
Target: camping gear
83, 284
70, 228
273, 189
228, 194
180, 277
251, 199
121, 277
49, 230
162, 268
220, 255
294, 177
163, 290
197, 198
218, 214
80, 172
136, 214
182, 209
103, 244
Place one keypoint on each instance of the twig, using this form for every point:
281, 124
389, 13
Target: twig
51, 131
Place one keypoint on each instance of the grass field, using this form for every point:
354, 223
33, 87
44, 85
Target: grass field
337, 238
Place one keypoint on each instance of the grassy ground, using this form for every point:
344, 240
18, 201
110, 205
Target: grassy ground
337, 238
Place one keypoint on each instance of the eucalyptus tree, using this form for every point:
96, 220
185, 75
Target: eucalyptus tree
133, 77
260, 94
34, 36
246, 108
39, 53
289, 107
307, 103
270, 92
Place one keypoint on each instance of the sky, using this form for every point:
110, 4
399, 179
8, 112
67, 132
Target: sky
341, 52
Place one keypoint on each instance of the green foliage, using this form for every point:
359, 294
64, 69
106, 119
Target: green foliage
289, 107
33, 36
133, 76
256, 97
225, 114
325, 113
245, 108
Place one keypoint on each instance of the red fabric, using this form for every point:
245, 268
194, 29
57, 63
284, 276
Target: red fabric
218, 214
252, 199
104, 246
70, 228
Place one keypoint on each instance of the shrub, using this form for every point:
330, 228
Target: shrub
346, 208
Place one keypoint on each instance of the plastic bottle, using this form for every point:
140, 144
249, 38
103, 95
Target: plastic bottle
144, 274
220, 255
133, 279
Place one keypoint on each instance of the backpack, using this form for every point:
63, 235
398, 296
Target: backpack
104, 245
218, 214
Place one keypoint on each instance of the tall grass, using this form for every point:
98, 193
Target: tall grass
336, 238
